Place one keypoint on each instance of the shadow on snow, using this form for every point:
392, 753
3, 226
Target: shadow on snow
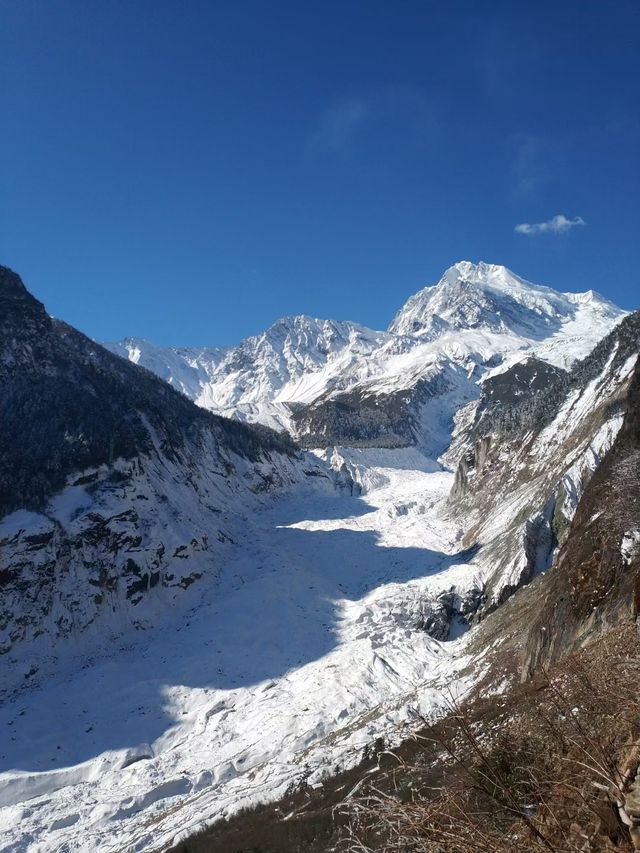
268, 616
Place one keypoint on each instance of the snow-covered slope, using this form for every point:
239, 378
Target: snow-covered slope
196, 616
492, 298
532, 451
294, 360
308, 375
186, 368
310, 644
115, 491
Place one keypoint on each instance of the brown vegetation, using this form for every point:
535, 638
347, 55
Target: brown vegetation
551, 767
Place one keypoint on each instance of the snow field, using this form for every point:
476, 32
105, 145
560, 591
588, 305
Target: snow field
308, 647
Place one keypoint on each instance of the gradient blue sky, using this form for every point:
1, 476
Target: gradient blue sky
190, 171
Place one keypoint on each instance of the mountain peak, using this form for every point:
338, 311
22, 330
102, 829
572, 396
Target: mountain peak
493, 298
14, 296
481, 273
477, 312
10, 281
310, 335
496, 277
304, 323
23, 321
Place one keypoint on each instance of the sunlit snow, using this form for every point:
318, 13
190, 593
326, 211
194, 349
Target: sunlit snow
310, 646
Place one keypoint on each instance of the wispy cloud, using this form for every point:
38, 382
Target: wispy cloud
530, 165
340, 123
392, 112
556, 225
502, 61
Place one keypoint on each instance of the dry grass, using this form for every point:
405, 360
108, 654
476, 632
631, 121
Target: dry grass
548, 774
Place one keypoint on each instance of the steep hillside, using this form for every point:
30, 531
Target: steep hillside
594, 583
98, 407
115, 490
533, 452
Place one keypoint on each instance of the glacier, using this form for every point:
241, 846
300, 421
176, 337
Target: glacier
339, 606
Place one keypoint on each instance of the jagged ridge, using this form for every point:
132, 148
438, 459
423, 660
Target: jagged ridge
336, 382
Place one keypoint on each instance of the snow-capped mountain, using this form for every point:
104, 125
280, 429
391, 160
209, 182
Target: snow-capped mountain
336, 382
197, 616
490, 297
294, 360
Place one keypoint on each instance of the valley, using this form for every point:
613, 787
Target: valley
201, 615
310, 646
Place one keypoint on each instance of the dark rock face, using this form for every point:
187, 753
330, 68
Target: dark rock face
68, 404
594, 582
472, 463
358, 419
538, 542
526, 396
113, 486
24, 327
365, 417
453, 614
534, 453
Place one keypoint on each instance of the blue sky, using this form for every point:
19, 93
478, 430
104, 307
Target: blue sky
190, 171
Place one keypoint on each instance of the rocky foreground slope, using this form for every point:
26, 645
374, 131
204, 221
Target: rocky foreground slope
213, 616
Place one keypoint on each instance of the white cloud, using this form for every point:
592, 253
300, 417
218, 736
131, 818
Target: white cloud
557, 225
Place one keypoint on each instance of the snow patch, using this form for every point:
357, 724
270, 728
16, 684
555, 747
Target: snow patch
630, 545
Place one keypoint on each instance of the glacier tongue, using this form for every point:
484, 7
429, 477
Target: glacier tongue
312, 643
323, 632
